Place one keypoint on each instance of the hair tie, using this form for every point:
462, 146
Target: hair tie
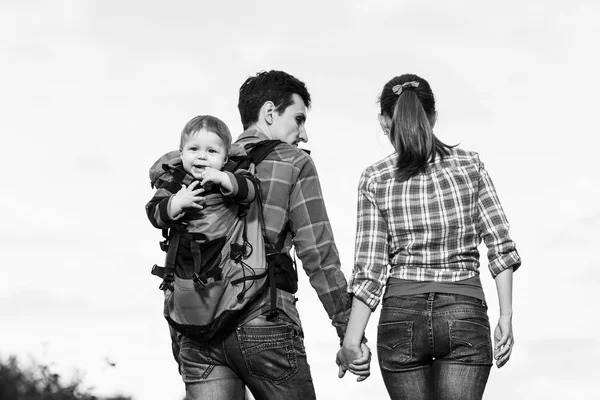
399, 88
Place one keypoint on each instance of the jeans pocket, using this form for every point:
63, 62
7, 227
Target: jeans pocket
195, 363
270, 350
470, 342
394, 345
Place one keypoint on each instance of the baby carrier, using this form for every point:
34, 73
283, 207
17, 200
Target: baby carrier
211, 275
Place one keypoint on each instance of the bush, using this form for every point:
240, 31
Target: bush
40, 383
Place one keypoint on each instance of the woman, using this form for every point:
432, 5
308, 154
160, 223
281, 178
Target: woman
423, 210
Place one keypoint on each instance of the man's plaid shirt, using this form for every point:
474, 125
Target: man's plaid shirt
291, 192
428, 227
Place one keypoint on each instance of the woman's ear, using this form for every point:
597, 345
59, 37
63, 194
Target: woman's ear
434, 120
384, 124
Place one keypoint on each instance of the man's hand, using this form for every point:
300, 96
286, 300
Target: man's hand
357, 360
503, 340
187, 198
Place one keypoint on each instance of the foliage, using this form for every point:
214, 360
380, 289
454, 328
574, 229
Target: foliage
39, 382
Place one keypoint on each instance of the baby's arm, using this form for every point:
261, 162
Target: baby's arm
216, 177
157, 209
170, 202
241, 186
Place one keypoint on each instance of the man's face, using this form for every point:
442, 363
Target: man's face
289, 126
203, 149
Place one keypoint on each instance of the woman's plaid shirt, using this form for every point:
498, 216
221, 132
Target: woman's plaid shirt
428, 227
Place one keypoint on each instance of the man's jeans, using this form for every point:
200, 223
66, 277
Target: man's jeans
434, 346
266, 355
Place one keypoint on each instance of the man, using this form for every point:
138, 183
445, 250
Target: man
266, 351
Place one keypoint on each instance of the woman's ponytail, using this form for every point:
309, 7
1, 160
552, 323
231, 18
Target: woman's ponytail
409, 102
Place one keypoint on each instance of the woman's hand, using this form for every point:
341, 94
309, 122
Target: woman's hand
503, 340
355, 359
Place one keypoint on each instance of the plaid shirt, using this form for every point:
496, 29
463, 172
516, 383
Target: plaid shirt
428, 227
291, 192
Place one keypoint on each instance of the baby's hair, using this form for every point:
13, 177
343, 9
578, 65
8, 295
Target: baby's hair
209, 123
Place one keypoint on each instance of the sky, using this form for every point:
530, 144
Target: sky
93, 92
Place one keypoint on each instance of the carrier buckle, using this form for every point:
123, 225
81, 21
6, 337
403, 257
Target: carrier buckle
167, 282
198, 281
164, 245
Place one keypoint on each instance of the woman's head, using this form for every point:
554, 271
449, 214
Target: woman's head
412, 87
408, 115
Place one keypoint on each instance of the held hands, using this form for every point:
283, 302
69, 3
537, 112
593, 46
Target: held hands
186, 199
503, 340
356, 359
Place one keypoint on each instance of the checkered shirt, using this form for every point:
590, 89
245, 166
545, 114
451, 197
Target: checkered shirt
291, 192
428, 227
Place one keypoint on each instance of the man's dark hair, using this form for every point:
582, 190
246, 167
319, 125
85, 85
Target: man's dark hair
275, 86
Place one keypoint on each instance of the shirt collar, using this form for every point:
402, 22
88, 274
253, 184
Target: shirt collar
253, 132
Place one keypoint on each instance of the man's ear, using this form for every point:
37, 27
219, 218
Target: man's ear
267, 111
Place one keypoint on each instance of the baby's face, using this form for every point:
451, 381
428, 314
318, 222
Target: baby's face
203, 149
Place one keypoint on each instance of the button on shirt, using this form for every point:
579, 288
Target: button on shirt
428, 227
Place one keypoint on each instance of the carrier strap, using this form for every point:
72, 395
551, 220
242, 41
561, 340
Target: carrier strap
248, 278
272, 283
257, 152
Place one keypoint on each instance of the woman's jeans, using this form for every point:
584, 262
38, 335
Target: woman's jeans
434, 346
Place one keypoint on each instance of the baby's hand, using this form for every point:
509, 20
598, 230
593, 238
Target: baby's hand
212, 176
187, 198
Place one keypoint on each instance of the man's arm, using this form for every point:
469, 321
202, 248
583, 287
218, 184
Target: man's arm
315, 245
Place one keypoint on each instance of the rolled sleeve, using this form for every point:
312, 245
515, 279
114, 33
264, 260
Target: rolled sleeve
371, 250
493, 226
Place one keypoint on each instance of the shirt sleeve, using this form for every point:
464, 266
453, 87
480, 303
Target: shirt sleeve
371, 257
493, 228
315, 245
244, 186
157, 208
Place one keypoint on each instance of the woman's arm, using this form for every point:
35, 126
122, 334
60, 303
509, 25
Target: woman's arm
503, 334
351, 355
503, 261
